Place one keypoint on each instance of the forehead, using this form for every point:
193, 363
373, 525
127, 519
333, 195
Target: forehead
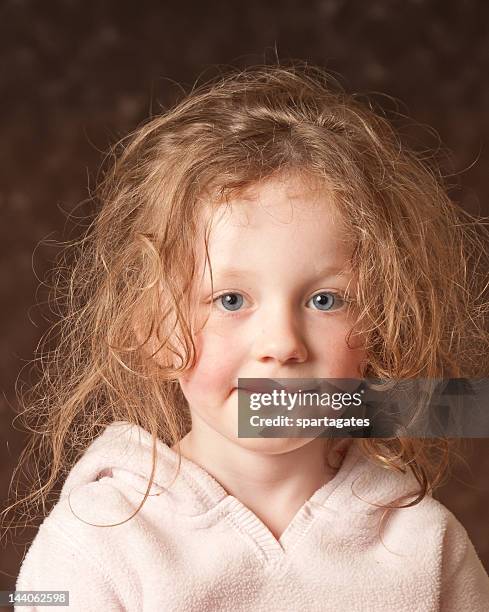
276, 194
291, 214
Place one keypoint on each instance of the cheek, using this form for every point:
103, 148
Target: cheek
349, 364
337, 359
214, 370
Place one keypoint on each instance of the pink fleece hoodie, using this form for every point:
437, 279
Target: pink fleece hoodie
194, 548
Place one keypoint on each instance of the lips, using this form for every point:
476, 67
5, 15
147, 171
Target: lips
262, 385
268, 385
299, 389
299, 384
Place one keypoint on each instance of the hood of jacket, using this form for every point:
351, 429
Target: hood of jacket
126, 453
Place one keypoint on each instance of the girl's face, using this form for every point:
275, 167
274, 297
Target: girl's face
271, 252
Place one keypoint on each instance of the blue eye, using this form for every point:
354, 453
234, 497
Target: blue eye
325, 300
231, 301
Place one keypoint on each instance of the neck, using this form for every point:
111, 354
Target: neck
272, 485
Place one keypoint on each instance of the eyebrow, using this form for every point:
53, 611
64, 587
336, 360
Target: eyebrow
232, 272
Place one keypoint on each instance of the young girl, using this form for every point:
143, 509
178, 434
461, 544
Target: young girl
268, 226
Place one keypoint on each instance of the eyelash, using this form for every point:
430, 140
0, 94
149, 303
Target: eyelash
229, 313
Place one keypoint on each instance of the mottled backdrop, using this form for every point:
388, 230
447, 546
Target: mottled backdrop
77, 75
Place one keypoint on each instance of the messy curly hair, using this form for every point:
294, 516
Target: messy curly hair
420, 298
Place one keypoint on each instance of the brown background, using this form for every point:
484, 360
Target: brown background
77, 75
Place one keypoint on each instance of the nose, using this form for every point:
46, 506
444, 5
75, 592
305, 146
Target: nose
279, 338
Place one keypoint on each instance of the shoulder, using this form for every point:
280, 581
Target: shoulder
458, 553
75, 546
103, 514
442, 546
431, 519
427, 522
425, 530
381, 492
464, 583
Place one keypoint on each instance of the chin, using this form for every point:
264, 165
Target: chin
272, 446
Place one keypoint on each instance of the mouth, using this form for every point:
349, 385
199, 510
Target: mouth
261, 386
269, 385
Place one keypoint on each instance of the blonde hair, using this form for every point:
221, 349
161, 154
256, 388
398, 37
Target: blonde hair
420, 295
